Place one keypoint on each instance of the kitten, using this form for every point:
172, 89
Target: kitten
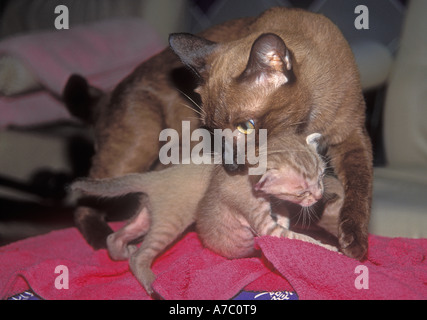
236, 208
173, 196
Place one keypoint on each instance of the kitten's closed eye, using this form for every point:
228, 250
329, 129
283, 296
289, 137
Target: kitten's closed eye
303, 194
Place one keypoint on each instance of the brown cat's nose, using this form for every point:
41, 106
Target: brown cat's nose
234, 167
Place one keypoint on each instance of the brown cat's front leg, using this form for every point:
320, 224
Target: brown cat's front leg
352, 160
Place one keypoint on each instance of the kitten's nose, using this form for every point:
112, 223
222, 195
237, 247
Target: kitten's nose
317, 194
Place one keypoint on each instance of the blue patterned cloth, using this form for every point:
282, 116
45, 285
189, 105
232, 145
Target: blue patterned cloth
265, 295
27, 295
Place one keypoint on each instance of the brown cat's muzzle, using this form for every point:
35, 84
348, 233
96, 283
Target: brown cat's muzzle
229, 158
233, 168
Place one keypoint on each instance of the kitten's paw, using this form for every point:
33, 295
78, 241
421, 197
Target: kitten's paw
143, 273
117, 249
131, 249
147, 280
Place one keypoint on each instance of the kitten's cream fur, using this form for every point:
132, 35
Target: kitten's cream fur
178, 196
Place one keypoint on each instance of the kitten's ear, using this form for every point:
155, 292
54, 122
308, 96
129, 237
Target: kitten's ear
313, 139
317, 142
192, 50
269, 61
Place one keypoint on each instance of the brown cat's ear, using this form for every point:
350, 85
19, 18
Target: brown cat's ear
269, 61
192, 50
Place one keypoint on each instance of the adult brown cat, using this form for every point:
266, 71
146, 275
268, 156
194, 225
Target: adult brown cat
289, 70
229, 212
292, 73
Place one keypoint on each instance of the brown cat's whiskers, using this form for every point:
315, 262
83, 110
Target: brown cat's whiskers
193, 118
192, 109
200, 109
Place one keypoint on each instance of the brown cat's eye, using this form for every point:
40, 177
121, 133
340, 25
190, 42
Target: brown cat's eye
246, 127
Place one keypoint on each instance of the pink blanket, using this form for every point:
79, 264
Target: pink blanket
104, 52
396, 268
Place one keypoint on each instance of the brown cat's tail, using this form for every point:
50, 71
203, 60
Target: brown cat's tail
81, 99
111, 187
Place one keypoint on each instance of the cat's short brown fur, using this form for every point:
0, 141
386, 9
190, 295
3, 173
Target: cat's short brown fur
290, 70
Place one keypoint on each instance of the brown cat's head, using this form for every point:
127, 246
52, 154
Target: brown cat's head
243, 83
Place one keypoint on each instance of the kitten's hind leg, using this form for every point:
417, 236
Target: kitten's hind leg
118, 242
162, 233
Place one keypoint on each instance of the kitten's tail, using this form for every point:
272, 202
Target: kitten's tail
111, 187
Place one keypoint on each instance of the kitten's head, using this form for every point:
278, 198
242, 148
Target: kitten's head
243, 82
295, 170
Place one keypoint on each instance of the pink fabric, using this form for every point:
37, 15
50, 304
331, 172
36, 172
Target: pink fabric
31, 109
397, 270
103, 52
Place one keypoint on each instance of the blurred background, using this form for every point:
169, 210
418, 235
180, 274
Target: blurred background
42, 147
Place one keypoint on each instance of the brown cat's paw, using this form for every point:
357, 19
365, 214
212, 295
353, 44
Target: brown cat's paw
353, 240
353, 244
